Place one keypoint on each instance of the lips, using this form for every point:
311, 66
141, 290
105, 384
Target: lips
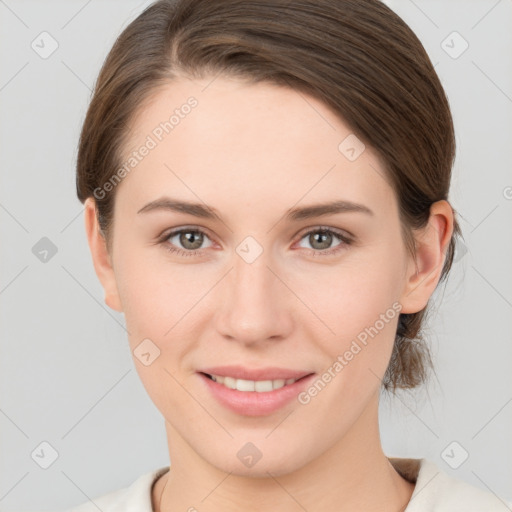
243, 400
255, 374
254, 391
259, 386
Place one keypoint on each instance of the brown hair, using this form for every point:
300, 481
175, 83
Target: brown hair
357, 56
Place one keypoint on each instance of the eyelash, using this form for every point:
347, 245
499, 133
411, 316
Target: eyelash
326, 252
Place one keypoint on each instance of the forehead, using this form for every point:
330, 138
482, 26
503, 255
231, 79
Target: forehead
224, 138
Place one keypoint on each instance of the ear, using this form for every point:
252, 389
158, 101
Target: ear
100, 256
424, 273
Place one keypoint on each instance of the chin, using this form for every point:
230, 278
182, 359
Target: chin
274, 460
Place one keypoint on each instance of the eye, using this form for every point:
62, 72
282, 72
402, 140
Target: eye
190, 239
321, 239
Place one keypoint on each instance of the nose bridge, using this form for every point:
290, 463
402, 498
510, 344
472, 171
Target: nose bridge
254, 307
252, 277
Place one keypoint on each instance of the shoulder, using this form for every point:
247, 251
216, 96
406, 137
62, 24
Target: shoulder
437, 491
135, 497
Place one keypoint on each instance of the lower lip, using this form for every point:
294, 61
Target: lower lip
253, 403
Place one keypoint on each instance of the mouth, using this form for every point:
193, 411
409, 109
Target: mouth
256, 386
261, 397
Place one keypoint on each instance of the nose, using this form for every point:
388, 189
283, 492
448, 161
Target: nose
255, 305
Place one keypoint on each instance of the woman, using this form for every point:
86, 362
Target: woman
266, 200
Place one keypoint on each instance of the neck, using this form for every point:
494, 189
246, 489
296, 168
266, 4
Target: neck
354, 471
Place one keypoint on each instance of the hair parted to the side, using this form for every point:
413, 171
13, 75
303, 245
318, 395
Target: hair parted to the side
357, 56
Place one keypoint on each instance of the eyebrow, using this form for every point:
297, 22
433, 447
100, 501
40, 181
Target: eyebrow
206, 212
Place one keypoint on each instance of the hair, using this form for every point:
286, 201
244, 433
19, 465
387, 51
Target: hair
357, 56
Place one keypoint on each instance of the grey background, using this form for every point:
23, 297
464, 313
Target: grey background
66, 374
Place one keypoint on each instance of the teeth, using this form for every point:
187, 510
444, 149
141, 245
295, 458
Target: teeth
259, 386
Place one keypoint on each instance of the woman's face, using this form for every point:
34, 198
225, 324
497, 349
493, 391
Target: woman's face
255, 284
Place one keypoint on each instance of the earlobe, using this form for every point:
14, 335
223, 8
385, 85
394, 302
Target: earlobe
424, 272
100, 256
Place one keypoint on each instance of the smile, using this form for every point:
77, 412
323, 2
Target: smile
258, 386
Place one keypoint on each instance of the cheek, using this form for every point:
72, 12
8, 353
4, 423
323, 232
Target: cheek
154, 310
357, 354
153, 296
356, 308
351, 296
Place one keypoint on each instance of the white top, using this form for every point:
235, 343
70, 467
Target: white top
435, 491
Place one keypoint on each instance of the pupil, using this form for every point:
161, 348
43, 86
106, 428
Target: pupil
191, 237
326, 239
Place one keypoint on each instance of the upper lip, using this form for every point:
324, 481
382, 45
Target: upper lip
241, 372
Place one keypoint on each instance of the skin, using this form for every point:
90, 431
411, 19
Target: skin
252, 152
